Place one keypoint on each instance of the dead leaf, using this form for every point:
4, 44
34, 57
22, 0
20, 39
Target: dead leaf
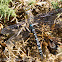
1, 27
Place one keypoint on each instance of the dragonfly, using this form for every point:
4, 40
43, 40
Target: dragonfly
17, 29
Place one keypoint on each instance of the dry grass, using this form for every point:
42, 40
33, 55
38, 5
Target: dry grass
22, 47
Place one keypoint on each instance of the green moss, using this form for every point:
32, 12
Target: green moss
60, 0
5, 11
55, 4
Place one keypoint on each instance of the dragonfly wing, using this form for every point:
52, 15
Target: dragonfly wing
47, 17
12, 28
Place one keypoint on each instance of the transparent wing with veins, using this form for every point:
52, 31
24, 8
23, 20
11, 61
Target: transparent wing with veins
12, 29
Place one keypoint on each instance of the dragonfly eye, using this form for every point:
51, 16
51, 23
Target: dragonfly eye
30, 25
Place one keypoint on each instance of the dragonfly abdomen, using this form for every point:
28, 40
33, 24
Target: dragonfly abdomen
38, 43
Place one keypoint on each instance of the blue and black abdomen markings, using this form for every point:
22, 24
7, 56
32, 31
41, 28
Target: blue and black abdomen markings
38, 43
